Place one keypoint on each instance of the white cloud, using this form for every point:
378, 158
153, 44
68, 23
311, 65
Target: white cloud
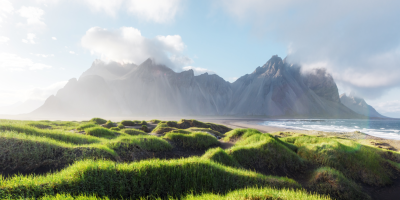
13, 62
197, 70
110, 7
172, 42
159, 11
33, 16
72, 52
6, 8
129, 46
43, 55
53, 38
30, 38
4, 39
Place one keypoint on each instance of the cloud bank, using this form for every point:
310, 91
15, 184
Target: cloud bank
159, 11
358, 40
12, 62
127, 45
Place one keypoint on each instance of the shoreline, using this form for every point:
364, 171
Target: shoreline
385, 143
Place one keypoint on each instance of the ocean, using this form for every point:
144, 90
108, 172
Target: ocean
389, 129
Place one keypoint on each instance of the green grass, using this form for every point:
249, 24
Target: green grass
237, 134
68, 137
162, 128
24, 152
100, 132
134, 132
127, 123
27, 152
109, 124
255, 193
155, 121
356, 161
220, 156
98, 120
86, 125
115, 129
333, 183
183, 131
121, 126
157, 178
207, 130
139, 143
196, 140
264, 152
260, 194
41, 125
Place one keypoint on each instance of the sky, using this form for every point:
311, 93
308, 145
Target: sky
44, 43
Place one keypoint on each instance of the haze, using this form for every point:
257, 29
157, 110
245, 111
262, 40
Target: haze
45, 43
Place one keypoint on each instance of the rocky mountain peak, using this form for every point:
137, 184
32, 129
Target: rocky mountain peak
359, 105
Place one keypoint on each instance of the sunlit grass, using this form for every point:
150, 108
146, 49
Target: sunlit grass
157, 178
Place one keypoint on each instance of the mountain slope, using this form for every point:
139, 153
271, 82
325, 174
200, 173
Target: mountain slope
279, 89
147, 89
359, 106
276, 89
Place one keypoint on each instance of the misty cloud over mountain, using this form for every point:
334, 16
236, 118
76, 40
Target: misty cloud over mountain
276, 89
357, 41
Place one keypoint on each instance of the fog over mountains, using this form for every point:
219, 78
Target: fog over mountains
277, 89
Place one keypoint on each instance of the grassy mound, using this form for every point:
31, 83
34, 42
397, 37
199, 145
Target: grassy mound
134, 132
356, 161
162, 128
220, 156
100, 132
98, 120
126, 147
21, 152
264, 152
41, 125
109, 124
157, 178
127, 123
86, 125
196, 140
333, 183
261, 194
187, 123
115, 129
237, 134
180, 131
155, 121
207, 130
67, 137
242, 194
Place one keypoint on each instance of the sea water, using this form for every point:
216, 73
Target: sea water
389, 129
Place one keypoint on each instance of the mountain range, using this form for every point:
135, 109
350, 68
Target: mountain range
359, 105
276, 89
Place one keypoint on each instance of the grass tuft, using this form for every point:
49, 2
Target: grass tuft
331, 182
196, 140
100, 132
98, 120
220, 156
151, 178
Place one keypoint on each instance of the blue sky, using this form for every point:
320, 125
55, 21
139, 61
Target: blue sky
44, 43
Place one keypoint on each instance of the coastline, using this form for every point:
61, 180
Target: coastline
384, 143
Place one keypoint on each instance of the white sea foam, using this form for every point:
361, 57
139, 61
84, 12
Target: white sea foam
368, 127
